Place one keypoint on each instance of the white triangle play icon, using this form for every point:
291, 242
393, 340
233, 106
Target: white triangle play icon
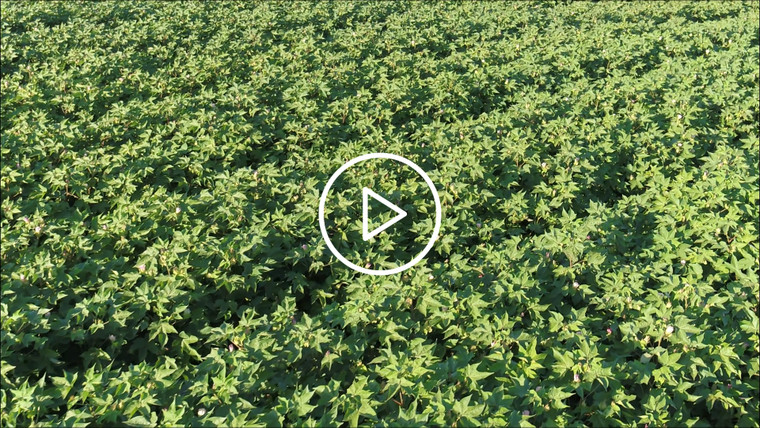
366, 193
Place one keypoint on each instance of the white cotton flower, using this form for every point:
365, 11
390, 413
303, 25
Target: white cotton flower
669, 329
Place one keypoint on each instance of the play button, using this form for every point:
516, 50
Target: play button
400, 214
389, 240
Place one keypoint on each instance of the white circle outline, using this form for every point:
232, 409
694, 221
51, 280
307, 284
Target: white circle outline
341, 170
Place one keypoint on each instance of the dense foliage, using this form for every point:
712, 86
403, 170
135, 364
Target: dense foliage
162, 261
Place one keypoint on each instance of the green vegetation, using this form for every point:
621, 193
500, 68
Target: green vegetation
161, 256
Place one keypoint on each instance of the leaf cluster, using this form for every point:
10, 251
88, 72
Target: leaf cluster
161, 257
